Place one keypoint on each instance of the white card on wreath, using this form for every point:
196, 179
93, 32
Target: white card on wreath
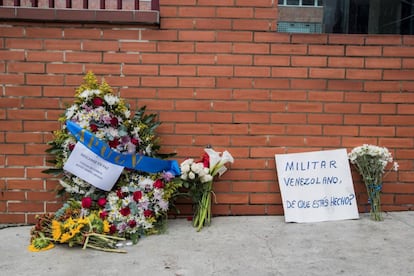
93, 169
316, 186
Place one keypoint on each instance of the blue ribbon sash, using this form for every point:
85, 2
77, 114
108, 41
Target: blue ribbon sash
137, 162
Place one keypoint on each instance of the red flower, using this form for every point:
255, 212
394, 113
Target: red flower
137, 195
119, 194
103, 215
71, 147
93, 127
206, 160
148, 213
159, 184
114, 121
125, 211
102, 202
112, 229
132, 223
86, 202
97, 101
113, 143
134, 141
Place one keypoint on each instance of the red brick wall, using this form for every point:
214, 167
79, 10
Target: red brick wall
215, 73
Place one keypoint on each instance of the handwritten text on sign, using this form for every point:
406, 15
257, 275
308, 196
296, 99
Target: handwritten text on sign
316, 186
90, 167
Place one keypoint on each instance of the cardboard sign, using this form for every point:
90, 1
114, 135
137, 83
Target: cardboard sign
316, 186
90, 167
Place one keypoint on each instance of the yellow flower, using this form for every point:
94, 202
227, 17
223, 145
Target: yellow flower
106, 226
56, 230
33, 248
40, 243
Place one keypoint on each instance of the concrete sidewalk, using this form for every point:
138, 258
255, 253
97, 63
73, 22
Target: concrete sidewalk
246, 245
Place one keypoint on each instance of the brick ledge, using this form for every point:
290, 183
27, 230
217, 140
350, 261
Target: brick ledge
80, 16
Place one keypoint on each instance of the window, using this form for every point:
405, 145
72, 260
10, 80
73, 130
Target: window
348, 16
314, 3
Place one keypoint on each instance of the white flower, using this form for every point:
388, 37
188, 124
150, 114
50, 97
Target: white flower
206, 178
86, 94
111, 99
191, 175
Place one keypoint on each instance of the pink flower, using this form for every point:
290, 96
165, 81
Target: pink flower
137, 195
86, 202
97, 101
102, 202
159, 184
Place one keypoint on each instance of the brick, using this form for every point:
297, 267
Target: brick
265, 129
363, 51
290, 118
235, 106
11, 148
228, 82
350, 119
362, 97
26, 184
17, 160
142, 70
266, 106
187, 35
231, 198
361, 74
326, 50
378, 108
289, 72
12, 218
196, 82
203, 140
242, 71
341, 130
405, 109
37, 32
219, 47
382, 86
214, 70
398, 51
309, 38
404, 131
308, 84
398, 75
325, 119
159, 81
326, 73
64, 45
228, 129
175, 70
377, 131
251, 118
194, 105
26, 114
25, 207
15, 43
212, 23
225, 59
288, 49
285, 141
239, 36
177, 23
252, 25
147, 58
248, 209
197, 59
247, 94
341, 108
196, 12
25, 67
396, 120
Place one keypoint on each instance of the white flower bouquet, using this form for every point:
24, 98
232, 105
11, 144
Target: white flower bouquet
197, 177
371, 162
